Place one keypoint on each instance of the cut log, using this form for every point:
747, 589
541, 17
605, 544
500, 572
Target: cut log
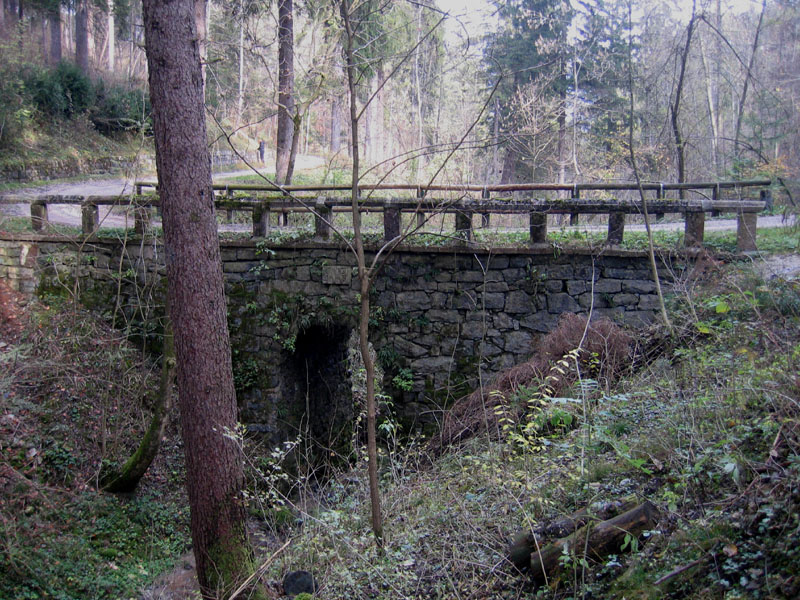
604, 538
525, 543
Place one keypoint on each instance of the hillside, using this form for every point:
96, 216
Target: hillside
706, 426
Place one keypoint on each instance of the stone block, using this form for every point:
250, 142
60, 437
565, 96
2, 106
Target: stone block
444, 316
576, 287
337, 275
443, 276
561, 303
541, 321
504, 323
493, 301
558, 271
554, 285
473, 330
431, 365
466, 300
625, 300
469, 276
496, 286
487, 348
497, 262
518, 302
237, 267
518, 342
386, 299
413, 300
607, 286
648, 302
638, 286
408, 348
439, 300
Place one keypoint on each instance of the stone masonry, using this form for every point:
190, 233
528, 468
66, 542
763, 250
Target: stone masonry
441, 317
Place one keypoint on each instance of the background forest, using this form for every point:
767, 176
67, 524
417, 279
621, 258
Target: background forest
546, 83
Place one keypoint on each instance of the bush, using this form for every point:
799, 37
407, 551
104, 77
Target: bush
60, 92
119, 109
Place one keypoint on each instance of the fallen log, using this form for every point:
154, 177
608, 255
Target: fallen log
604, 538
526, 543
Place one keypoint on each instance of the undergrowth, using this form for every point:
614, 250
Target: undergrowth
73, 396
707, 428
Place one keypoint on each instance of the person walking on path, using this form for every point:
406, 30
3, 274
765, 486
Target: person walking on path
262, 146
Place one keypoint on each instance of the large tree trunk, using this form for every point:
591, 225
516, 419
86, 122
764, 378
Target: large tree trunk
283, 146
82, 36
55, 36
196, 298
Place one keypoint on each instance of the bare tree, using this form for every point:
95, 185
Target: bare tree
286, 125
196, 298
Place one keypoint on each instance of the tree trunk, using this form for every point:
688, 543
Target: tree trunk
240, 95
82, 36
283, 144
55, 36
364, 280
748, 75
111, 45
201, 28
196, 298
675, 108
336, 125
127, 478
599, 541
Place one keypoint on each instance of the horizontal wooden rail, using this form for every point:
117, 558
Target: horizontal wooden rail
507, 199
421, 190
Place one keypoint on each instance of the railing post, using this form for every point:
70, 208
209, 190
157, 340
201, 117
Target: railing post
486, 217
228, 211
616, 228
766, 198
391, 221
746, 225
576, 195
464, 225
660, 196
261, 222
322, 216
90, 216
715, 196
420, 213
141, 219
538, 227
694, 228
38, 215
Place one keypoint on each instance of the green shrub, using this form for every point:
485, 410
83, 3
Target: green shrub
120, 109
60, 92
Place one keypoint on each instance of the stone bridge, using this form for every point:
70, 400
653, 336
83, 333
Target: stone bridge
443, 318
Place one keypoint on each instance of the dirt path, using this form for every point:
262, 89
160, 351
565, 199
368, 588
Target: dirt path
70, 215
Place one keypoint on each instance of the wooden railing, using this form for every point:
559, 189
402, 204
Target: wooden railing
693, 201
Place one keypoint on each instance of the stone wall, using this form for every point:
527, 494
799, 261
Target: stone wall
440, 316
